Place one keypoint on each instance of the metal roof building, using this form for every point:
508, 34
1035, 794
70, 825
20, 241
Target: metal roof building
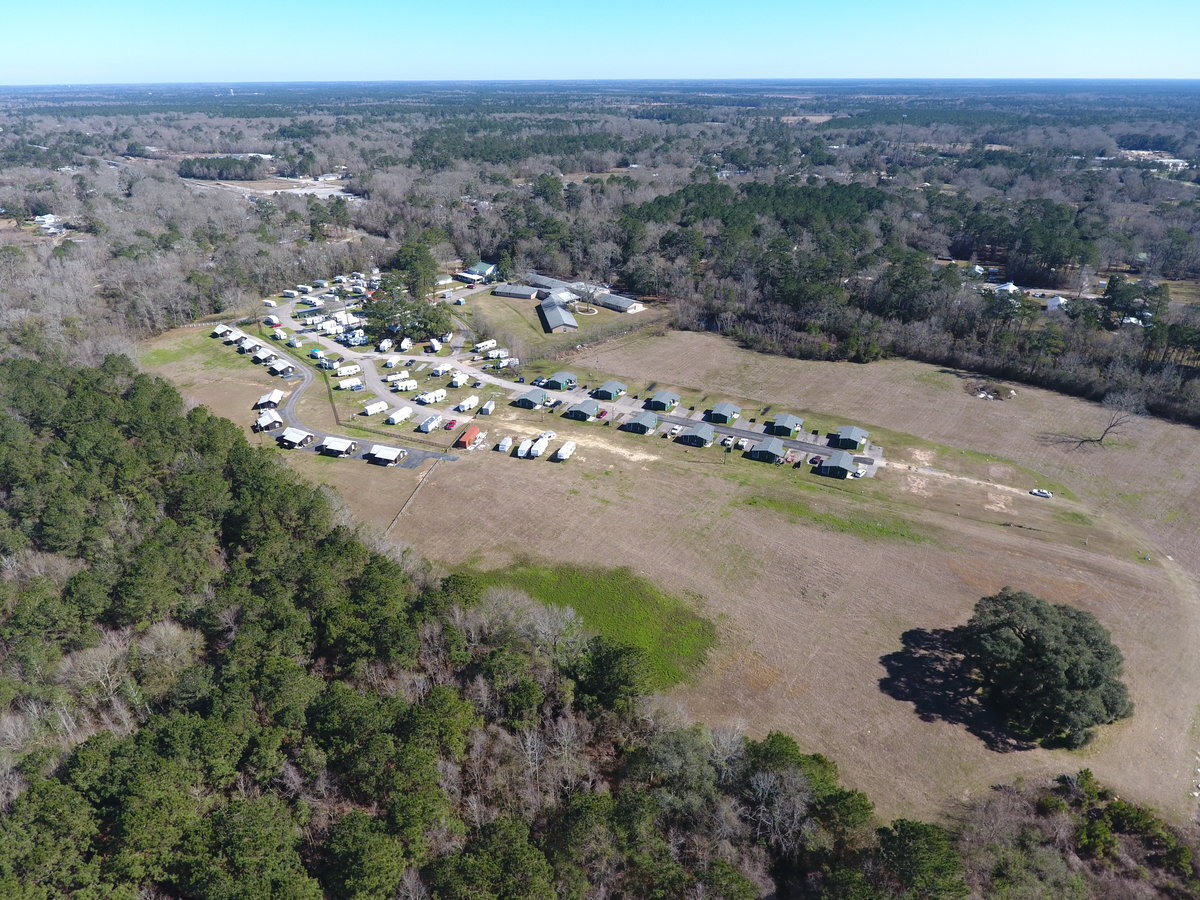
724, 412
296, 437
583, 410
268, 421
785, 424
610, 390
700, 435
850, 437
643, 423
769, 450
664, 400
270, 400
560, 381
838, 465
531, 399
520, 291
338, 446
556, 316
386, 456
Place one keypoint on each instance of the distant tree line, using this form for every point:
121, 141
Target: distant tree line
224, 168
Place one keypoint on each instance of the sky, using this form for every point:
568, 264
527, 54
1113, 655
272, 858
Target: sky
137, 41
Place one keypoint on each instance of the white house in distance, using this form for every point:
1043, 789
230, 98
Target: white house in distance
479, 273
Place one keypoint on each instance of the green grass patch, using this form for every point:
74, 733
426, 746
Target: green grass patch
1072, 517
869, 527
622, 606
199, 343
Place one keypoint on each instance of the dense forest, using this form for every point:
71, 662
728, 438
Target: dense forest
215, 687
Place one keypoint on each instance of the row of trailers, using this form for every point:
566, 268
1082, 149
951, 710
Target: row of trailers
532, 448
276, 363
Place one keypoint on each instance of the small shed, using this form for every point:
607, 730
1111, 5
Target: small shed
700, 435
335, 446
785, 424
561, 381
840, 464
386, 456
643, 423
610, 390
850, 437
724, 413
770, 450
583, 410
531, 399
467, 437
296, 437
268, 421
663, 400
270, 400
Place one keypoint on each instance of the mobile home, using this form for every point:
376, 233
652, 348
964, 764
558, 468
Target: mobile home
399, 415
375, 408
431, 423
346, 371
409, 384
350, 384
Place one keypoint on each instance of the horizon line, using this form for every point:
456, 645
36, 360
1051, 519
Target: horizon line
1023, 79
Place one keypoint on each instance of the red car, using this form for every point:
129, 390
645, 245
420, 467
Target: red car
452, 424
602, 414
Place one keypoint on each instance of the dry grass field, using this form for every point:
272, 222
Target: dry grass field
813, 582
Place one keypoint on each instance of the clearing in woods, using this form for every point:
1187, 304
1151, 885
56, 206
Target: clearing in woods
812, 581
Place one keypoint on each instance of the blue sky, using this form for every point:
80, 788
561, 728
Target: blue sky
118, 41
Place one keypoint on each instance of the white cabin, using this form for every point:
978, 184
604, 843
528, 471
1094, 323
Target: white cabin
468, 404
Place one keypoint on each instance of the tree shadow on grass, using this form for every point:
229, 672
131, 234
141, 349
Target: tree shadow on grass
930, 674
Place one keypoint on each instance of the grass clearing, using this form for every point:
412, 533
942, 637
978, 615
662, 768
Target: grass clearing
1073, 517
623, 606
872, 526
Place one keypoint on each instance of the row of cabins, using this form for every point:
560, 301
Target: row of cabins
380, 454
275, 363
